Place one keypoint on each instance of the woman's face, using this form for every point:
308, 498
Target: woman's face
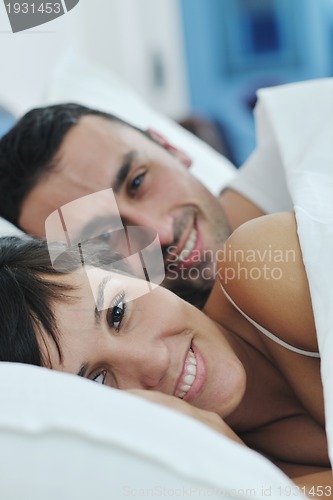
155, 341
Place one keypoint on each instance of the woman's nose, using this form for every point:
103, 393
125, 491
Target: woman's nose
142, 366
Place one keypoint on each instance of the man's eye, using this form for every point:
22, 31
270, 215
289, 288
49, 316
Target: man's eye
104, 236
116, 312
136, 183
100, 377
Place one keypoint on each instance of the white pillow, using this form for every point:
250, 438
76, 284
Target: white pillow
64, 437
76, 79
8, 229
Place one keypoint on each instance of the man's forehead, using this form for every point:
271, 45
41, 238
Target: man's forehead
98, 146
83, 165
96, 154
92, 133
102, 129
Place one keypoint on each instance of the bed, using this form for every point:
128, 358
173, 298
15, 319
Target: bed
62, 437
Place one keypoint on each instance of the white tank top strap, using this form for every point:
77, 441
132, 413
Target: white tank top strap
269, 334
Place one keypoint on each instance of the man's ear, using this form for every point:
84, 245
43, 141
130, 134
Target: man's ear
157, 137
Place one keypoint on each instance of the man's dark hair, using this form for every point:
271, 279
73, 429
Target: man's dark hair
28, 150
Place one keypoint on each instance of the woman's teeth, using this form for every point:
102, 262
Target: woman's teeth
188, 247
188, 376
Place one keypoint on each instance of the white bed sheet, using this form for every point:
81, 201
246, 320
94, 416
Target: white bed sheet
300, 118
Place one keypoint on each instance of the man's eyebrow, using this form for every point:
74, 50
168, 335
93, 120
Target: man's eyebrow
100, 298
124, 170
90, 230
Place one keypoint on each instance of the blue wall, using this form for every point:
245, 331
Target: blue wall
234, 47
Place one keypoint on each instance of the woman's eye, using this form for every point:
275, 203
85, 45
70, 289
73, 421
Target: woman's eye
116, 313
100, 377
136, 183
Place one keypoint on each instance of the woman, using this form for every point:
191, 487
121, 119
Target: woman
270, 393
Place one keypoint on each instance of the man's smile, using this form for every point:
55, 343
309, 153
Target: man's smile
186, 252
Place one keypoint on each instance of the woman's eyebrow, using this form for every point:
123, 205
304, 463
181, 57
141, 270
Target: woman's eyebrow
83, 370
100, 298
97, 313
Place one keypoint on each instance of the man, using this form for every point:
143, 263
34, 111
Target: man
60, 153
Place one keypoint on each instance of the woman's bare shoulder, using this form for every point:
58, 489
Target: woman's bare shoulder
262, 270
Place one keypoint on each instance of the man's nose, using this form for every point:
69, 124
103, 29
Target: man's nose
141, 366
162, 224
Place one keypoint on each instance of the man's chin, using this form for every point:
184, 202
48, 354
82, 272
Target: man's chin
192, 286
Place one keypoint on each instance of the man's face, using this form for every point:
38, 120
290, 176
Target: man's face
153, 188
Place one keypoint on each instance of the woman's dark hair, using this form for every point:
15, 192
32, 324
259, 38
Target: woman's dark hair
29, 290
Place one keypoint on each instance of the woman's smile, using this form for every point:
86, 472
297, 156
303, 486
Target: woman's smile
199, 380
192, 377
187, 375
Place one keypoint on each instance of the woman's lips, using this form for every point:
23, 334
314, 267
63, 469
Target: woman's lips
193, 376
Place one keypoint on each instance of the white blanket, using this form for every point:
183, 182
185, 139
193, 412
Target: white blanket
299, 118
